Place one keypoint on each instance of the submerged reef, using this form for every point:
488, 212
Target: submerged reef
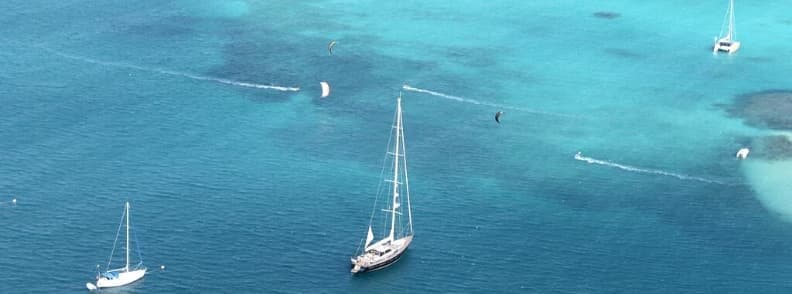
606, 14
770, 109
777, 147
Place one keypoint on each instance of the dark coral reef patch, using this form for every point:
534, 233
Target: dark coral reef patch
770, 109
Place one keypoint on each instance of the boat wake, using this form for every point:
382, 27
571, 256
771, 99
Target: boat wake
476, 102
9, 202
174, 73
579, 156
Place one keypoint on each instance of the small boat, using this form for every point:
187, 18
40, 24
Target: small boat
742, 153
123, 275
727, 43
389, 249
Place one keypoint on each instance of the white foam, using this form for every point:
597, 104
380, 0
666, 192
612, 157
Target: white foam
476, 102
580, 157
174, 73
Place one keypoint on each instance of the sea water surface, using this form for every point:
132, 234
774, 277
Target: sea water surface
206, 116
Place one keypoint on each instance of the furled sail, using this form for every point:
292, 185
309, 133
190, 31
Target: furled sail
369, 237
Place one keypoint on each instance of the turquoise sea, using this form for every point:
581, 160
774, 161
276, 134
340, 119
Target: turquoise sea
240, 185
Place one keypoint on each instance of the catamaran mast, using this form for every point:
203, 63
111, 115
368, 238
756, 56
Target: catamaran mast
731, 20
396, 168
126, 269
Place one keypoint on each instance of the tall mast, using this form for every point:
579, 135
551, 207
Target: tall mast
127, 236
396, 168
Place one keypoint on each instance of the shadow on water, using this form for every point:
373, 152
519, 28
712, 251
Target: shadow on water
606, 14
623, 53
376, 278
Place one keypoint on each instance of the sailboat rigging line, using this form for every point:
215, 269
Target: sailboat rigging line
729, 17
395, 171
137, 247
379, 185
118, 232
406, 177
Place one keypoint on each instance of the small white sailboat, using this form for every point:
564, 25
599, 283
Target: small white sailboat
389, 249
727, 43
123, 275
742, 153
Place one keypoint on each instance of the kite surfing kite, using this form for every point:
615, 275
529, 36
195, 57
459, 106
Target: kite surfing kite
325, 89
330, 47
498, 115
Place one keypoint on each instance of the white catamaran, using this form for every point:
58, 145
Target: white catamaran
390, 248
124, 275
727, 43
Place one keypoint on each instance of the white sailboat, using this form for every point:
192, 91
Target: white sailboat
384, 252
727, 43
124, 275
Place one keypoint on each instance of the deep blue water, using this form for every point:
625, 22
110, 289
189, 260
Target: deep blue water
239, 189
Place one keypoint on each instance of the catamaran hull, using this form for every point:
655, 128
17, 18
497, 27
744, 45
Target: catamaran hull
725, 45
123, 279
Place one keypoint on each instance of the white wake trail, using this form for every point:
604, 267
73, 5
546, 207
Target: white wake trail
11, 202
476, 102
580, 157
174, 73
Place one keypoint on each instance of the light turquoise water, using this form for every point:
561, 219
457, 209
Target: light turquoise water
243, 189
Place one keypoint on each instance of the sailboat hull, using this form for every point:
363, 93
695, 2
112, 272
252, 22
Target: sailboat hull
382, 265
390, 254
121, 279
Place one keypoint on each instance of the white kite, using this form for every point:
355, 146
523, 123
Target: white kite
325, 89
